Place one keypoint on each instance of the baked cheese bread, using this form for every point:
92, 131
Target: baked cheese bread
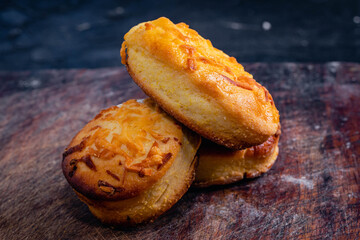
199, 85
219, 165
131, 162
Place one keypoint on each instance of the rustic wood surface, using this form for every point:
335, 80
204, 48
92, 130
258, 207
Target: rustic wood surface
313, 190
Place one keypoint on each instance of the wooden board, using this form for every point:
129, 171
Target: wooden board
313, 190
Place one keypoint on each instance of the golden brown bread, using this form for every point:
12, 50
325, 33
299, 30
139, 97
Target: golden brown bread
131, 163
199, 85
219, 165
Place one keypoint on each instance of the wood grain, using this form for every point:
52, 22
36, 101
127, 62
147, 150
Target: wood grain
312, 192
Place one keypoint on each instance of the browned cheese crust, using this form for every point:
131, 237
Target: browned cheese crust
118, 163
219, 165
199, 85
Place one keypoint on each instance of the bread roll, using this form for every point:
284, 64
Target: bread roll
199, 85
131, 163
219, 165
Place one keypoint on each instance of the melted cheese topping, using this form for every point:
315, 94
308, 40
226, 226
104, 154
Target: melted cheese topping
135, 133
184, 48
127, 148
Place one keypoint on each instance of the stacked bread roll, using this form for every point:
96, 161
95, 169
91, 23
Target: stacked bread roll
133, 161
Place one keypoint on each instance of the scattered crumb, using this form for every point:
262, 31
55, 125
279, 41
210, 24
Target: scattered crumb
301, 181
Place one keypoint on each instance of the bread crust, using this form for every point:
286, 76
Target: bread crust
199, 85
220, 166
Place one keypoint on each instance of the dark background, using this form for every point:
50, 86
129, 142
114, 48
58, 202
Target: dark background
88, 34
